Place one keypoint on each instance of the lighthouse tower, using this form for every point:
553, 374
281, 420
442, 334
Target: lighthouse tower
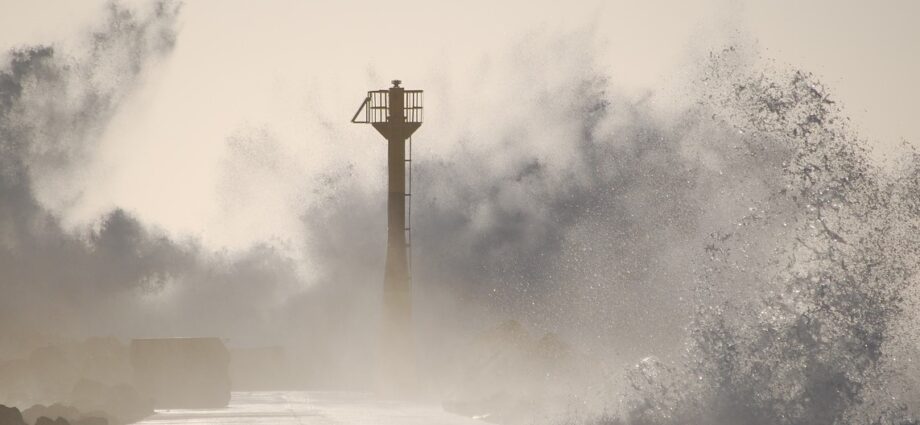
396, 113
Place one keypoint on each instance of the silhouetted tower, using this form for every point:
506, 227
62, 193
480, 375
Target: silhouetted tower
396, 113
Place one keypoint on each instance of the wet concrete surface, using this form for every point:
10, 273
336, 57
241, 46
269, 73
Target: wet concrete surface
311, 408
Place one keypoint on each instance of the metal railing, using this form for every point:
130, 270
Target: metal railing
412, 105
376, 107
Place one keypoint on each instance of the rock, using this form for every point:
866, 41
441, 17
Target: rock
69, 414
121, 403
56, 410
10, 416
44, 420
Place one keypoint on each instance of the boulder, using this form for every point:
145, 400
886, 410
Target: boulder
56, 410
10, 416
69, 414
44, 420
121, 403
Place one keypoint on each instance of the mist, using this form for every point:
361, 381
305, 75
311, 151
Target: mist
604, 236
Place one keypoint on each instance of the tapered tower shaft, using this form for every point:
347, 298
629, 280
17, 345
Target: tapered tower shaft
397, 289
396, 113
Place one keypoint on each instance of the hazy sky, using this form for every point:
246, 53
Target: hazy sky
294, 71
569, 170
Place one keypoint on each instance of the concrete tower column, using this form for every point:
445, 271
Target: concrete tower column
398, 366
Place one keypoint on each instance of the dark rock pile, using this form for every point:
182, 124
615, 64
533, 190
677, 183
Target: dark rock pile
67, 414
41, 415
32, 414
10, 416
91, 378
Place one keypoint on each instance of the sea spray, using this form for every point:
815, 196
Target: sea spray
830, 253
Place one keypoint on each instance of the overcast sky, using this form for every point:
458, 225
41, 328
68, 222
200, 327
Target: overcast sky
298, 69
